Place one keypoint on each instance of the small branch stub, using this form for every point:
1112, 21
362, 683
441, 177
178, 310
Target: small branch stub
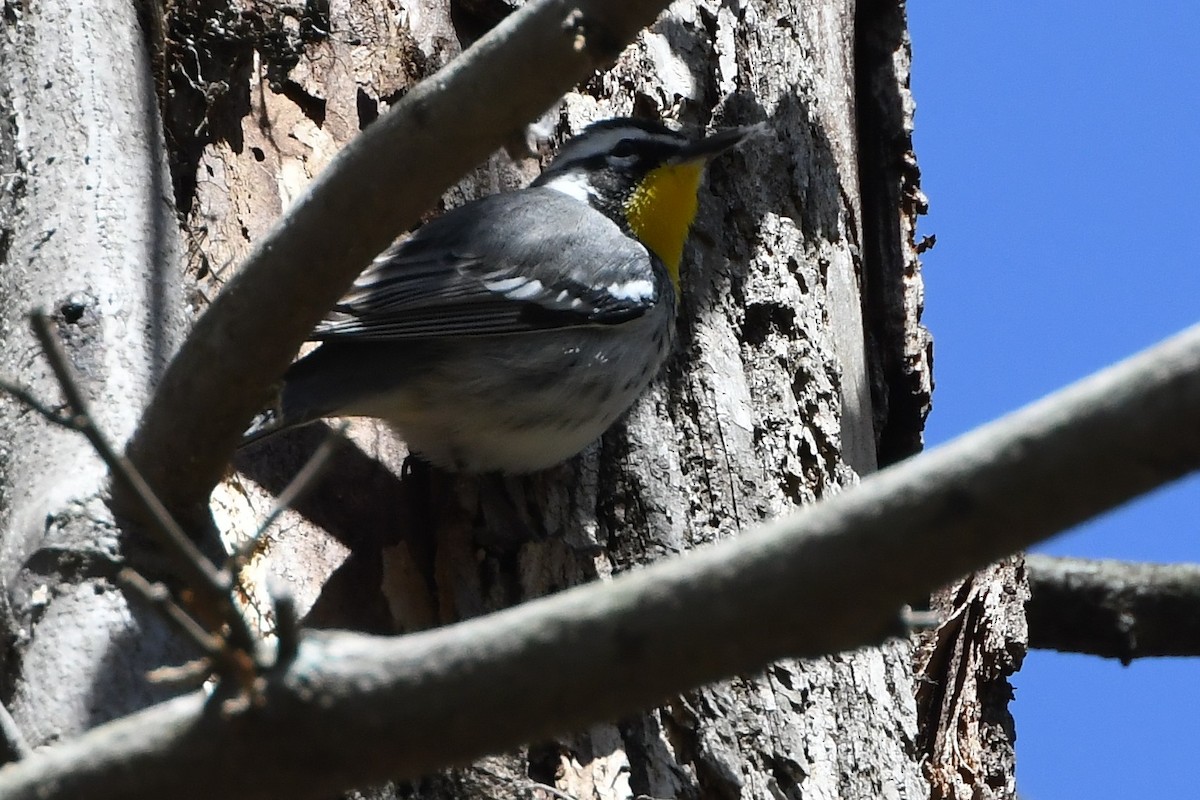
1114, 609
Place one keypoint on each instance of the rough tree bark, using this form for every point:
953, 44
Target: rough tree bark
766, 407
801, 362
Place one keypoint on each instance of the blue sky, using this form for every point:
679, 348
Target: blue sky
1060, 148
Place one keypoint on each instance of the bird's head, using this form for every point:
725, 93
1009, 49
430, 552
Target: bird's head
642, 175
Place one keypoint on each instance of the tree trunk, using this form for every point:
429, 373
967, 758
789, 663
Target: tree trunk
801, 361
87, 233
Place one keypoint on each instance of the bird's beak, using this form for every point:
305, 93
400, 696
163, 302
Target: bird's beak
713, 145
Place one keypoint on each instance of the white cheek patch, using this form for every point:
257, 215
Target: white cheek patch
572, 184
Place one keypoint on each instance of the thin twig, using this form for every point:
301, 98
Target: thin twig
80, 420
196, 570
157, 596
304, 479
26, 397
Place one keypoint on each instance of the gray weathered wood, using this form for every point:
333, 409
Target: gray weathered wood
87, 231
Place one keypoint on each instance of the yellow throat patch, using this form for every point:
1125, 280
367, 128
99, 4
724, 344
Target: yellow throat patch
662, 208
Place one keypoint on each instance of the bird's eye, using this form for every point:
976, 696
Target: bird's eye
624, 150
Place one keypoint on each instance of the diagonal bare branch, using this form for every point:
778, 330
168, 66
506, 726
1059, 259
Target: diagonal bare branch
376, 188
352, 709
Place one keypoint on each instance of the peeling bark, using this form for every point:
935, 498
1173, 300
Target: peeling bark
963, 689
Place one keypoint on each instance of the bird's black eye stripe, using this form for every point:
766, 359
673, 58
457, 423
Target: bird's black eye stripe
624, 149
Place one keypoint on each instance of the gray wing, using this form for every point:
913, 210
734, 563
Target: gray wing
480, 269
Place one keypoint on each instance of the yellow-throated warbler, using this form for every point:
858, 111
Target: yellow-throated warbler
511, 332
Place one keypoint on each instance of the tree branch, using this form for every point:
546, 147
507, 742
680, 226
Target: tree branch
353, 709
1115, 609
375, 189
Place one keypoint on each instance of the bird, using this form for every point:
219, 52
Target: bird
509, 333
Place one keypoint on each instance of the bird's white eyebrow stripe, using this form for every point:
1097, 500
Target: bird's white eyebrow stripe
601, 142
